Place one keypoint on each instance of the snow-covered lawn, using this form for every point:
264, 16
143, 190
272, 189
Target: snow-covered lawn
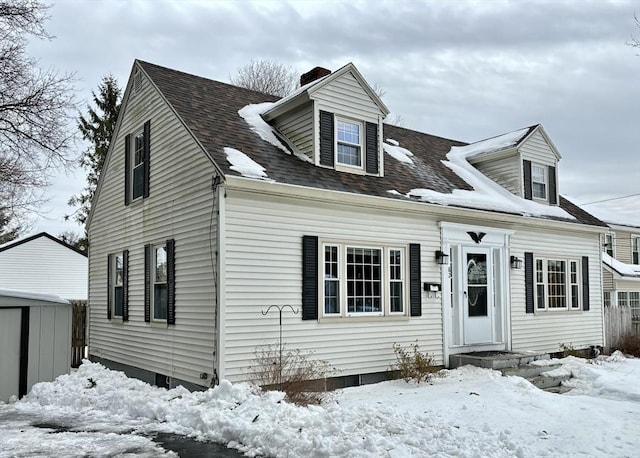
468, 412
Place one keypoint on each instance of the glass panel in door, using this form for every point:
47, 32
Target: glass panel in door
477, 284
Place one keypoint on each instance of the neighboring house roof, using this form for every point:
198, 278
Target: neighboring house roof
209, 109
16, 243
618, 212
622, 269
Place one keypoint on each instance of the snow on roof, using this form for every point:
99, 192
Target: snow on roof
243, 164
487, 194
252, 115
627, 270
397, 152
29, 295
491, 145
624, 212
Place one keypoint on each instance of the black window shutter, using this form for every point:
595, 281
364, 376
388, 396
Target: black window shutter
526, 169
415, 293
125, 285
372, 148
109, 283
127, 169
171, 281
309, 277
553, 200
528, 282
147, 283
326, 138
146, 135
585, 283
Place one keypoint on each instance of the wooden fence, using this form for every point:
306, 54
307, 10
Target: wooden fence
78, 333
618, 322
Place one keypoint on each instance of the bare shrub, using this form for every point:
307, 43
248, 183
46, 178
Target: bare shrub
414, 365
267, 76
292, 371
630, 345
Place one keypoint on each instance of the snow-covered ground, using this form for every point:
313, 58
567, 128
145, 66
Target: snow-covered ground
469, 412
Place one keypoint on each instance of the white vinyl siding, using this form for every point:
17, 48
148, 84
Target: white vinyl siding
297, 126
546, 331
537, 150
44, 266
346, 97
180, 207
264, 267
504, 171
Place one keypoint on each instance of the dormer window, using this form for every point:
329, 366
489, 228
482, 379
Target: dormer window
349, 143
539, 181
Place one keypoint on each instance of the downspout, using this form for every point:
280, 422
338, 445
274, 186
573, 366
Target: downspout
214, 255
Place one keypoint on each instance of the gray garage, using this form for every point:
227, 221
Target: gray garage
35, 340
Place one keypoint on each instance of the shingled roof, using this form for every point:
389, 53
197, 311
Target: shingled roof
210, 110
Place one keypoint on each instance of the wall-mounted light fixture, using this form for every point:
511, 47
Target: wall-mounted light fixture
442, 258
516, 263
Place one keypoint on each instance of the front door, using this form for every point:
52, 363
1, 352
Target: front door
478, 298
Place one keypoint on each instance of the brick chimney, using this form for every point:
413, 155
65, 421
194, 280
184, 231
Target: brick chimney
313, 74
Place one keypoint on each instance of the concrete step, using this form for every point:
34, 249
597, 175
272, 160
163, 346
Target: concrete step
529, 370
495, 360
560, 389
546, 381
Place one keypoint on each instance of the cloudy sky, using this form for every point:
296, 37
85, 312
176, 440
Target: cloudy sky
465, 70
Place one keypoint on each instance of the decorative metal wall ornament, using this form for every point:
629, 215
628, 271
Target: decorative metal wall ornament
476, 236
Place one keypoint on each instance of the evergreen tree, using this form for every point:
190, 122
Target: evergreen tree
97, 128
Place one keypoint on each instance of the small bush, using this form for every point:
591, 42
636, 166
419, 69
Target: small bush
414, 365
630, 345
292, 371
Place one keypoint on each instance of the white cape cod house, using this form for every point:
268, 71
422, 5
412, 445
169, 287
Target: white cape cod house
216, 202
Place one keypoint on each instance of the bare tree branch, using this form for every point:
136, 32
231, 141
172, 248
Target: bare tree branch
268, 77
36, 112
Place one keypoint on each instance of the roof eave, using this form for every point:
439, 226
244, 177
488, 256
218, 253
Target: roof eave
281, 108
368, 89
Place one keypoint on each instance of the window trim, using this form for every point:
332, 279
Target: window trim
385, 280
545, 182
153, 271
360, 145
568, 284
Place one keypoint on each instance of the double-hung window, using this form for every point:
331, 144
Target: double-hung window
363, 280
539, 181
118, 286
634, 305
117, 294
557, 284
348, 142
160, 285
609, 244
137, 165
635, 249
